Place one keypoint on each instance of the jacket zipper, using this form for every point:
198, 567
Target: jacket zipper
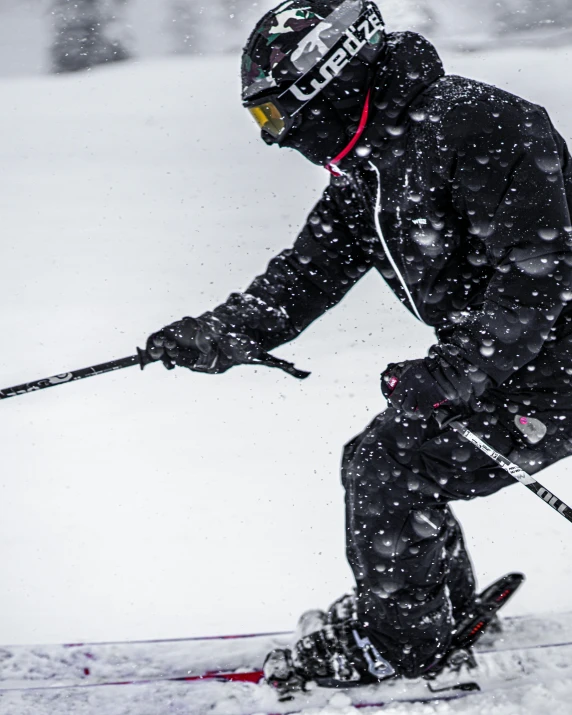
377, 214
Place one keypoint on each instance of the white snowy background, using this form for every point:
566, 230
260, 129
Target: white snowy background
156, 504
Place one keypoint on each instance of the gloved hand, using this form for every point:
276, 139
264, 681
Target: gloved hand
412, 388
201, 345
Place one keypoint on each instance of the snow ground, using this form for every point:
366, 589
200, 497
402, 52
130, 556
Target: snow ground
58, 680
172, 504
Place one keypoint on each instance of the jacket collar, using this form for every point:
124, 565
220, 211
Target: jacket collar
409, 65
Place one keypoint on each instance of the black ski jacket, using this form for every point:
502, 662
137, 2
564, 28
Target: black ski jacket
459, 194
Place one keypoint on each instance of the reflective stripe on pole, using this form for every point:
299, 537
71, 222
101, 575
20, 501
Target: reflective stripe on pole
514, 470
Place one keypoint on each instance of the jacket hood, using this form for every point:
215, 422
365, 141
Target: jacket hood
408, 67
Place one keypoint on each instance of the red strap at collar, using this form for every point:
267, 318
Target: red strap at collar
331, 165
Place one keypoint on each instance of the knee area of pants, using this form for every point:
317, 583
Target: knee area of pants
409, 607
374, 482
389, 552
401, 539
425, 524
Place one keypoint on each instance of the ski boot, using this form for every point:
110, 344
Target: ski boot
282, 676
480, 618
344, 609
337, 655
333, 650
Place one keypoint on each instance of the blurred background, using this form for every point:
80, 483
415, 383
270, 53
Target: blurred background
69, 35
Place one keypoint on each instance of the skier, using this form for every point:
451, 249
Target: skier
458, 193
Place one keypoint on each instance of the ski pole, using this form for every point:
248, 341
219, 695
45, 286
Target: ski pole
513, 469
142, 359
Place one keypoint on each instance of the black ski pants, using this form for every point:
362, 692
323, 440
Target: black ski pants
413, 574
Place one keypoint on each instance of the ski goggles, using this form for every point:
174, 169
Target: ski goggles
320, 57
270, 118
276, 114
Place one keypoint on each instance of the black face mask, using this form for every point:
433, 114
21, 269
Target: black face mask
327, 124
320, 133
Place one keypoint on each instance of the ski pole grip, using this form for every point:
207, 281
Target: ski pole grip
144, 358
444, 417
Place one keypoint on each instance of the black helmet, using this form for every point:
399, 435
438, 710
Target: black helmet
299, 50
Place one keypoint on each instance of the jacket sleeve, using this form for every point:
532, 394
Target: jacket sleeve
301, 283
508, 184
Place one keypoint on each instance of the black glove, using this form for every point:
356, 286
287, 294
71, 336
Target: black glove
412, 388
202, 345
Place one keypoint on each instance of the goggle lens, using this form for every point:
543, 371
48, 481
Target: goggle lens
269, 118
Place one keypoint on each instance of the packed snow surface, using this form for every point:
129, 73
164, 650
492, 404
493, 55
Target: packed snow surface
56, 680
158, 505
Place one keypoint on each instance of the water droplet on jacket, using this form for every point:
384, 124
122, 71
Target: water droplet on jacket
548, 164
547, 234
417, 115
363, 150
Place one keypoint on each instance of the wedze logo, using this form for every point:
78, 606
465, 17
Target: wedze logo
357, 39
